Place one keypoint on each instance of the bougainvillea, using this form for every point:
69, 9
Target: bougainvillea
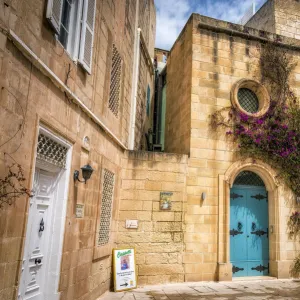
275, 136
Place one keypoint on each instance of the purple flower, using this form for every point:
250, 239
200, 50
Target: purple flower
259, 121
244, 117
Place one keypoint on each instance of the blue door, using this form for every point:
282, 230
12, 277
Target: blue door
249, 235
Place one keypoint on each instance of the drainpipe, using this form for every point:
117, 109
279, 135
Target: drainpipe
135, 78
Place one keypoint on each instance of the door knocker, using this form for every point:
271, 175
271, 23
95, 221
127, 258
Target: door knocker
42, 227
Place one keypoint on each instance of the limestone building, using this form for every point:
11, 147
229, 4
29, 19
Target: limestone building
77, 91
76, 88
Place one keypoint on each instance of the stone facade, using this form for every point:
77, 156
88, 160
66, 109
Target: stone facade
159, 237
218, 55
278, 16
42, 86
57, 93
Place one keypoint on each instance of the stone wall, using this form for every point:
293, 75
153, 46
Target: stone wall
179, 76
264, 18
158, 240
219, 59
143, 121
29, 95
278, 16
287, 17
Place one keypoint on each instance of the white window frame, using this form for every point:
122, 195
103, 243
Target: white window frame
75, 40
74, 31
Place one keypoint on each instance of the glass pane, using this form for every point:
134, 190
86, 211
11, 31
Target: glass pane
65, 23
65, 18
63, 36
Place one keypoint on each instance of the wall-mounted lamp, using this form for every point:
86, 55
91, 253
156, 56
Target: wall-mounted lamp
203, 196
87, 171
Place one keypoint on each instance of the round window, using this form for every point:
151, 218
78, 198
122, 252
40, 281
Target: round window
250, 97
248, 100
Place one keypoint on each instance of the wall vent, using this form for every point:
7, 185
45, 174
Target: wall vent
115, 82
106, 207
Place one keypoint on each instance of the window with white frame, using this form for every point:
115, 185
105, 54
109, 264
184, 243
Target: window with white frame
74, 22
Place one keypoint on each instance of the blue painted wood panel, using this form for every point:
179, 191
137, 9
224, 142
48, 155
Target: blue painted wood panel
249, 236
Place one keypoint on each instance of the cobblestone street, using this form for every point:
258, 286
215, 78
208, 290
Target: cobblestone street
242, 290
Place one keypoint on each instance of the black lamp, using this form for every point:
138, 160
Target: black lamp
87, 171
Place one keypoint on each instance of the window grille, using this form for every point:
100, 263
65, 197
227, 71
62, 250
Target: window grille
106, 207
115, 82
248, 100
248, 178
51, 151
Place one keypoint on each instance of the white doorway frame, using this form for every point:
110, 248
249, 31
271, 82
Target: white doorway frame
53, 262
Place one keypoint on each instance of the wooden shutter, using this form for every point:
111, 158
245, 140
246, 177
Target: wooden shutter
53, 14
87, 34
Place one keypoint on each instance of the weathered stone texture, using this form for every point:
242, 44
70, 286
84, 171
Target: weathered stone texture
179, 68
218, 59
159, 237
278, 16
25, 91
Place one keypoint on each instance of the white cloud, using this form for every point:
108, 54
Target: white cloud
231, 11
172, 15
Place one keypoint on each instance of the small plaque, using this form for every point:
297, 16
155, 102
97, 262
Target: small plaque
165, 200
79, 211
132, 224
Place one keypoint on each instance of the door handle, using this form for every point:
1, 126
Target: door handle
42, 225
37, 261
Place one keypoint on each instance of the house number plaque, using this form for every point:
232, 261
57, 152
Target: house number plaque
79, 211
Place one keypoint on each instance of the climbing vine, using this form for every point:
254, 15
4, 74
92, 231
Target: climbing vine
275, 136
12, 180
12, 185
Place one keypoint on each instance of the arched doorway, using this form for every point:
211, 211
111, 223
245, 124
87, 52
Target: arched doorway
249, 222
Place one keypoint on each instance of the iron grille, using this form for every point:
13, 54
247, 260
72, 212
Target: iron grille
115, 82
106, 207
51, 151
248, 100
248, 178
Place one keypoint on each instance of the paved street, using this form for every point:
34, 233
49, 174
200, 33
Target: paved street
242, 290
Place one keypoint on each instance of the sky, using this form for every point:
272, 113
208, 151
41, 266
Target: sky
172, 15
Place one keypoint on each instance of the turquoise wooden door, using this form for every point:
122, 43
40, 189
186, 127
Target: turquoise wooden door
249, 235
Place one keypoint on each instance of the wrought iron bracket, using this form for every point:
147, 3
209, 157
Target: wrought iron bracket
235, 232
261, 232
236, 269
235, 196
259, 197
260, 268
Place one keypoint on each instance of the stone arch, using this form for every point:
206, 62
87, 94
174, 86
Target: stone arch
268, 175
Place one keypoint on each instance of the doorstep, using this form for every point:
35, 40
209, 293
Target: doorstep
253, 278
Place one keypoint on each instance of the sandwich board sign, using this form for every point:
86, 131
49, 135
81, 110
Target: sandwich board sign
124, 269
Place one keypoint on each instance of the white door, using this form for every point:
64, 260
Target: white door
36, 253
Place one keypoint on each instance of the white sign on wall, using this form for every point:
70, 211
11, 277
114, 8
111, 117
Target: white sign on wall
124, 269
